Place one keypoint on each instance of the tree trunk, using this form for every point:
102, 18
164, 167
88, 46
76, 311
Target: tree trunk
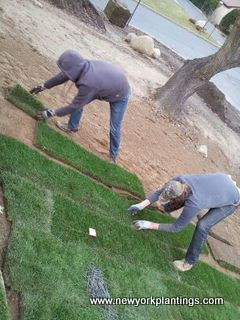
195, 73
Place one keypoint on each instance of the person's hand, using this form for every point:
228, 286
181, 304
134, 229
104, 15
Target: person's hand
44, 115
142, 224
133, 209
37, 89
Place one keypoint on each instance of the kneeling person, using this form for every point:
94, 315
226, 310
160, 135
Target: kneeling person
214, 191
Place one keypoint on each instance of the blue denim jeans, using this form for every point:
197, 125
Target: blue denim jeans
74, 119
117, 110
212, 217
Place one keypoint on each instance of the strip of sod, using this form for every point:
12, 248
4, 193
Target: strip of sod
19, 159
67, 226
51, 275
65, 149
22, 160
4, 313
22, 99
70, 221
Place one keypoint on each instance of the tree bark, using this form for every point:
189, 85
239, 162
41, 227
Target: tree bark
195, 73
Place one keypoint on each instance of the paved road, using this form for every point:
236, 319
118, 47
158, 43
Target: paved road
197, 14
170, 34
183, 42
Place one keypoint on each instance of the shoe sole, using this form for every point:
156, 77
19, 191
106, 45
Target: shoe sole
69, 132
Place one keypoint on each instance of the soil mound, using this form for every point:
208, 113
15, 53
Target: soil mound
82, 9
217, 102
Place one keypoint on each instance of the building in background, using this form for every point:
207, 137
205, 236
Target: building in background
223, 9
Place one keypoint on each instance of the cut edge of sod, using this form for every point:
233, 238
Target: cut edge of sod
4, 312
37, 198
228, 266
22, 99
62, 148
67, 151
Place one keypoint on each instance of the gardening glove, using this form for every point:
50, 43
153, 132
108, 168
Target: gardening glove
37, 89
142, 224
133, 209
44, 115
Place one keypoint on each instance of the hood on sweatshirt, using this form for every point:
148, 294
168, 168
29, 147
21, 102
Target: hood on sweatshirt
72, 64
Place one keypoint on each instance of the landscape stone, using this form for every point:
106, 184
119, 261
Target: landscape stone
203, 150
117, 13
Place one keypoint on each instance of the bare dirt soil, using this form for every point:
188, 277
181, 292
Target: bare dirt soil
32, 38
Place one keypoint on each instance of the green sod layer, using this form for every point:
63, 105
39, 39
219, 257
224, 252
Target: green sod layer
49, 238
24, 100
63, 148
21, 160
67, 226
4, 313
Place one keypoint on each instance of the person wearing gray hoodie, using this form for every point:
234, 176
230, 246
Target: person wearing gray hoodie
216, 192
95, 80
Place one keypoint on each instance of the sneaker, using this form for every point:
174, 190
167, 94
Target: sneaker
182, 265
112, 160
64, 127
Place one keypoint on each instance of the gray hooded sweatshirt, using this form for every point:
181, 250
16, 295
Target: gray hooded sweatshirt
94, 79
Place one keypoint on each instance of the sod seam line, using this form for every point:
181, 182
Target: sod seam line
68, 165
119, 178
121, 191
4, 308
223, 264
143, 290
46, 138
5, 280
219, 238
78, 169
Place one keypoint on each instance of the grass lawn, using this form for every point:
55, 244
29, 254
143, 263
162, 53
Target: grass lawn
52, 207
4, 314
24, 100
175, 12
61, 147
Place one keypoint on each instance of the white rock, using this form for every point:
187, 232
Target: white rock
201, 23
156, 53
129, 37
143, 44
37, 3
203, 150
1, 210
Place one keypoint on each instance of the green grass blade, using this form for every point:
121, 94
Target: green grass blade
22, 99
4, 313
63, 148
51, 208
